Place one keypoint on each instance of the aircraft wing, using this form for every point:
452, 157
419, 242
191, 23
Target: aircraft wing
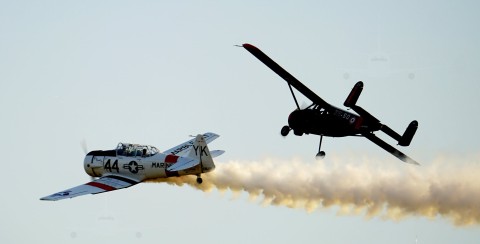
183, 148
100, 185
387, 147
290, 79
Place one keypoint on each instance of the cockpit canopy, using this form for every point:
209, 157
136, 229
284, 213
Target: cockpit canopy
135, 150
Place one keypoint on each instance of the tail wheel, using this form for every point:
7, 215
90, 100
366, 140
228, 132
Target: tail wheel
199, 180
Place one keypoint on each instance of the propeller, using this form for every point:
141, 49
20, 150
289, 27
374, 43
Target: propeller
83, 144
304, 105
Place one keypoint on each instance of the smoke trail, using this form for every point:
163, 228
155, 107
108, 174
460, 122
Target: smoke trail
448, 187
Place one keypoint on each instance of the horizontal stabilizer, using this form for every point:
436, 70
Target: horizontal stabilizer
389, 148
198, 154
184, 163
354, 95
184, 148
409, 133
216, 153
365, 115
390, 132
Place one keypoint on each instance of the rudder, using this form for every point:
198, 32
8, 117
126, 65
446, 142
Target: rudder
200, 150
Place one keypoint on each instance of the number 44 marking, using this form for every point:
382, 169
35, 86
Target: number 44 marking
114, 166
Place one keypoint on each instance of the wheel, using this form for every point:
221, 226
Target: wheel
297, 132
285, 130
199, 180
320, 155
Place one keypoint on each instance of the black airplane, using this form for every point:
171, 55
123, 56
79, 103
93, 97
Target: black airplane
323, 119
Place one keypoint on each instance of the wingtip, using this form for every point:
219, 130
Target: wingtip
245, 45
211, 133
411, 161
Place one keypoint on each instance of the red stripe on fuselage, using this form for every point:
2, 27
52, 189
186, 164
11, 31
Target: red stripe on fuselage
171, 159
358, 123
101, 186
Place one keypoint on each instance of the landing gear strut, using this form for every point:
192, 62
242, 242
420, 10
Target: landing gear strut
320, 154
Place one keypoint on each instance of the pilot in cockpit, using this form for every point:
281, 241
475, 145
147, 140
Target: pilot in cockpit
120, 149
131, 151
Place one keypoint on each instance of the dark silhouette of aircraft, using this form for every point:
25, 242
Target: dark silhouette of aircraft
323, 119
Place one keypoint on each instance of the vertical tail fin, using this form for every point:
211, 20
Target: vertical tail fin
200, 150
354, 95
409, 133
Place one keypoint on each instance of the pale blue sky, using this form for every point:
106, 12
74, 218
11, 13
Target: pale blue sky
155, 72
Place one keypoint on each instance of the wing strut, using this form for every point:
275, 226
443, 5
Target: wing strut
290, 79
293, 95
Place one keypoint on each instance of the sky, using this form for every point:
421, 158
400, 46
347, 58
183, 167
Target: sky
155, 72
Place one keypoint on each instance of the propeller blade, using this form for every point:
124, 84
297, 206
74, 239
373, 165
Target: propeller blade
83, 143
306, 105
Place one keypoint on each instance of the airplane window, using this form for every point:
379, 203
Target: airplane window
130, 151
120, 149
151, 151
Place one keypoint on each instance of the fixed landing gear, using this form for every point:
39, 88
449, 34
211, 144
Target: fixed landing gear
199, 179
284, 132
320, 154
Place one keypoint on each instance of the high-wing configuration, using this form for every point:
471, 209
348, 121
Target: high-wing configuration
323, 119
130, 164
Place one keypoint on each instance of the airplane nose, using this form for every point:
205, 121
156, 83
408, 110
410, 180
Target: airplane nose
87, 161
87, 164
294, 119
92, 166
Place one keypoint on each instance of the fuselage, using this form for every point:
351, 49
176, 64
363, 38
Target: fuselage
320, 122
141, 167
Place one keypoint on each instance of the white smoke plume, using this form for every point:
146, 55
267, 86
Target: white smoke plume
447, 187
